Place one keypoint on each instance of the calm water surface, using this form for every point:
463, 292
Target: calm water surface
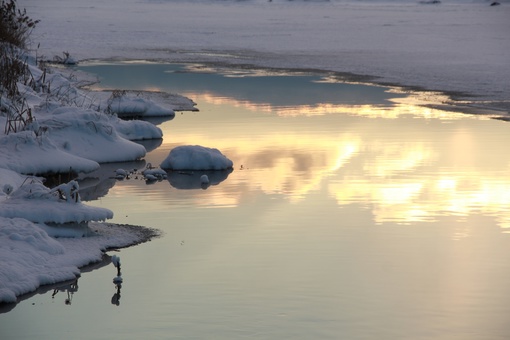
351, 213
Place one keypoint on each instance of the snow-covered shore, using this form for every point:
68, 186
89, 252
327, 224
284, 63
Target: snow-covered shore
47, 234
458, 46
31, 258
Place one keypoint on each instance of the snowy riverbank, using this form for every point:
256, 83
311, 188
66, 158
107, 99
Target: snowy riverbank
31, 258
54, 127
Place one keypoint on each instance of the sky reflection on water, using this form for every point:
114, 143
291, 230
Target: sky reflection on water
414, 170
376, 220
293, 135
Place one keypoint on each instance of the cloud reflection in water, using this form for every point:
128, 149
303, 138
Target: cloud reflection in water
403, 161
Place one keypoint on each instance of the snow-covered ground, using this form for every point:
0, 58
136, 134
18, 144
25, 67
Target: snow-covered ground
46, 234
31, 217
455, 46
31, 258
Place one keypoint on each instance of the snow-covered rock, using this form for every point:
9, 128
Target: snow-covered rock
154, 174
196, 157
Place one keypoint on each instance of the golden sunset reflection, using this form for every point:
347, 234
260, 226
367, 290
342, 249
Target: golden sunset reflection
358, 198
401, 155
399, 178
408, 106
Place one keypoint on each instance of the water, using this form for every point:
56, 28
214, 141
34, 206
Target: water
371, 218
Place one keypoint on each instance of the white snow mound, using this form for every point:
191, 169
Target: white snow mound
196, 157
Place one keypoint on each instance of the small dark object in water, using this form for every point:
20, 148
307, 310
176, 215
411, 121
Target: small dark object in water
430, 2
495, 3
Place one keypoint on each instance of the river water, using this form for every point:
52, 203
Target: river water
351, 213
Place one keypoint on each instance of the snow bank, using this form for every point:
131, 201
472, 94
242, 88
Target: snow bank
47, 234
25, 249
31, 258
90, 134
196, 157
37, 203
9, 182
68, 132
129, 106
26, 153
136, 129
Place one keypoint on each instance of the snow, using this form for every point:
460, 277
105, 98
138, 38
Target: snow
204, 179
24, 152
196, 157
31, 216
154, 174
457, 45
136, 129
69, 133
37, 203
116, 261
127, 106
90, 135
46, 234
31, 258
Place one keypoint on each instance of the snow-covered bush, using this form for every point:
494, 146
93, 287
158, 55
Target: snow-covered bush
15, 24
15, 29
13, 69
66, 59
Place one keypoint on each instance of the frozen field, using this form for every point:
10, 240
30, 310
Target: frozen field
455, 46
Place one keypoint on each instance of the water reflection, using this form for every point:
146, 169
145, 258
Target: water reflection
292, 136
116, 295
392, 109
186, 180
69, 289
281, 89
66, 288
410, 171
381, 222
150, 144
97, 184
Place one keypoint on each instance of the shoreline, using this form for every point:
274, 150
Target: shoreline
461, 102
139, 235
457, 48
